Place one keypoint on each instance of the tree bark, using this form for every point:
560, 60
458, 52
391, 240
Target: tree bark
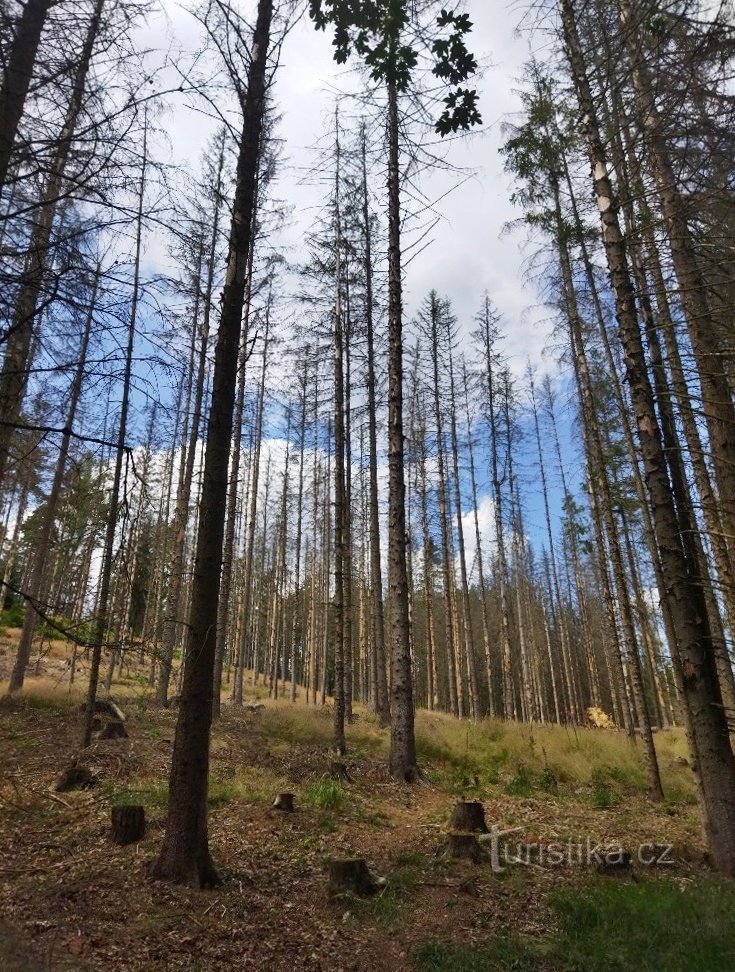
185, 856
17, 79
402, 757
708, 731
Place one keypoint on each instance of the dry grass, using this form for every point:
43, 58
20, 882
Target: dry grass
457, 755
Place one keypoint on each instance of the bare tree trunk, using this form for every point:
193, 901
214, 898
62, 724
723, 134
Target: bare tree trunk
402, 758
174, 599
247, 595
17, 77
40, 557
486, 340
381, 701
478, 552
447, 539
707, 725
185, 856
340, 513
101, 619
16, 364
469, 641
297, 625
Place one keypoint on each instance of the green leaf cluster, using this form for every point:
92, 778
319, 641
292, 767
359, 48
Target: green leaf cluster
374, 30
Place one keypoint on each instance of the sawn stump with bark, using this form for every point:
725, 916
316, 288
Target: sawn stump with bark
74, 777
465, 847
128, 824
468, 817
351, 876
284, 801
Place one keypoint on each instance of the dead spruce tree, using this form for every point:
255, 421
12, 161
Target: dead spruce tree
384, 35
185, 856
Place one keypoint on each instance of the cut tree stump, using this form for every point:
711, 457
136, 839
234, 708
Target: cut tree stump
114, 729
468, 817
128, 824
105, 707
338, 771
465, 847
74, 777
352, 876
284, 801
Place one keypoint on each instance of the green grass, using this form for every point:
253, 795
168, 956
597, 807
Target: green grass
249, 785
326, 795
613, 927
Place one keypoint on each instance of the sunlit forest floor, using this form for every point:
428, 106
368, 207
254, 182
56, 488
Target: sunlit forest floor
72, 899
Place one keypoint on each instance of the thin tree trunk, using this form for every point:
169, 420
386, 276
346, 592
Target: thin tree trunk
42, 546
16, 364
101, 619
402, 757
707, 725
380, 701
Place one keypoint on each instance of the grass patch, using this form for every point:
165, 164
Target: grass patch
250, 785
383, 909
326, 795
613, 927
471, 757
523, 783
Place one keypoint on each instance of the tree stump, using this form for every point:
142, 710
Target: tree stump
74, 777
465, 847
114, 729
351, 876
468, 817
128, 824
105, 707
338, 771
284, 801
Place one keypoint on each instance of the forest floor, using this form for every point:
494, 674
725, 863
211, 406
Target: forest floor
72, 899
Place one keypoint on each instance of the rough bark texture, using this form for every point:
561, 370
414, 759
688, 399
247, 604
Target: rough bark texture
185, 856
707, 724
17, 77
351, 876
402, 758
468, 816
128, 824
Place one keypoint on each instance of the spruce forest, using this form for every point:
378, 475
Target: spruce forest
367, 485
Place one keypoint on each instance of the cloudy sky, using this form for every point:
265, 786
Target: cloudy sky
468, 254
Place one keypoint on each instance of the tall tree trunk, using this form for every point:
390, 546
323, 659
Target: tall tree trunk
17, 76
297, 621
469, 641
478, 551
42, 545
402, 757
340, 513
175, 599
247, 593
381, 701
16, 364
185, 856
486, 340
101, 619
707, 725
447, 537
